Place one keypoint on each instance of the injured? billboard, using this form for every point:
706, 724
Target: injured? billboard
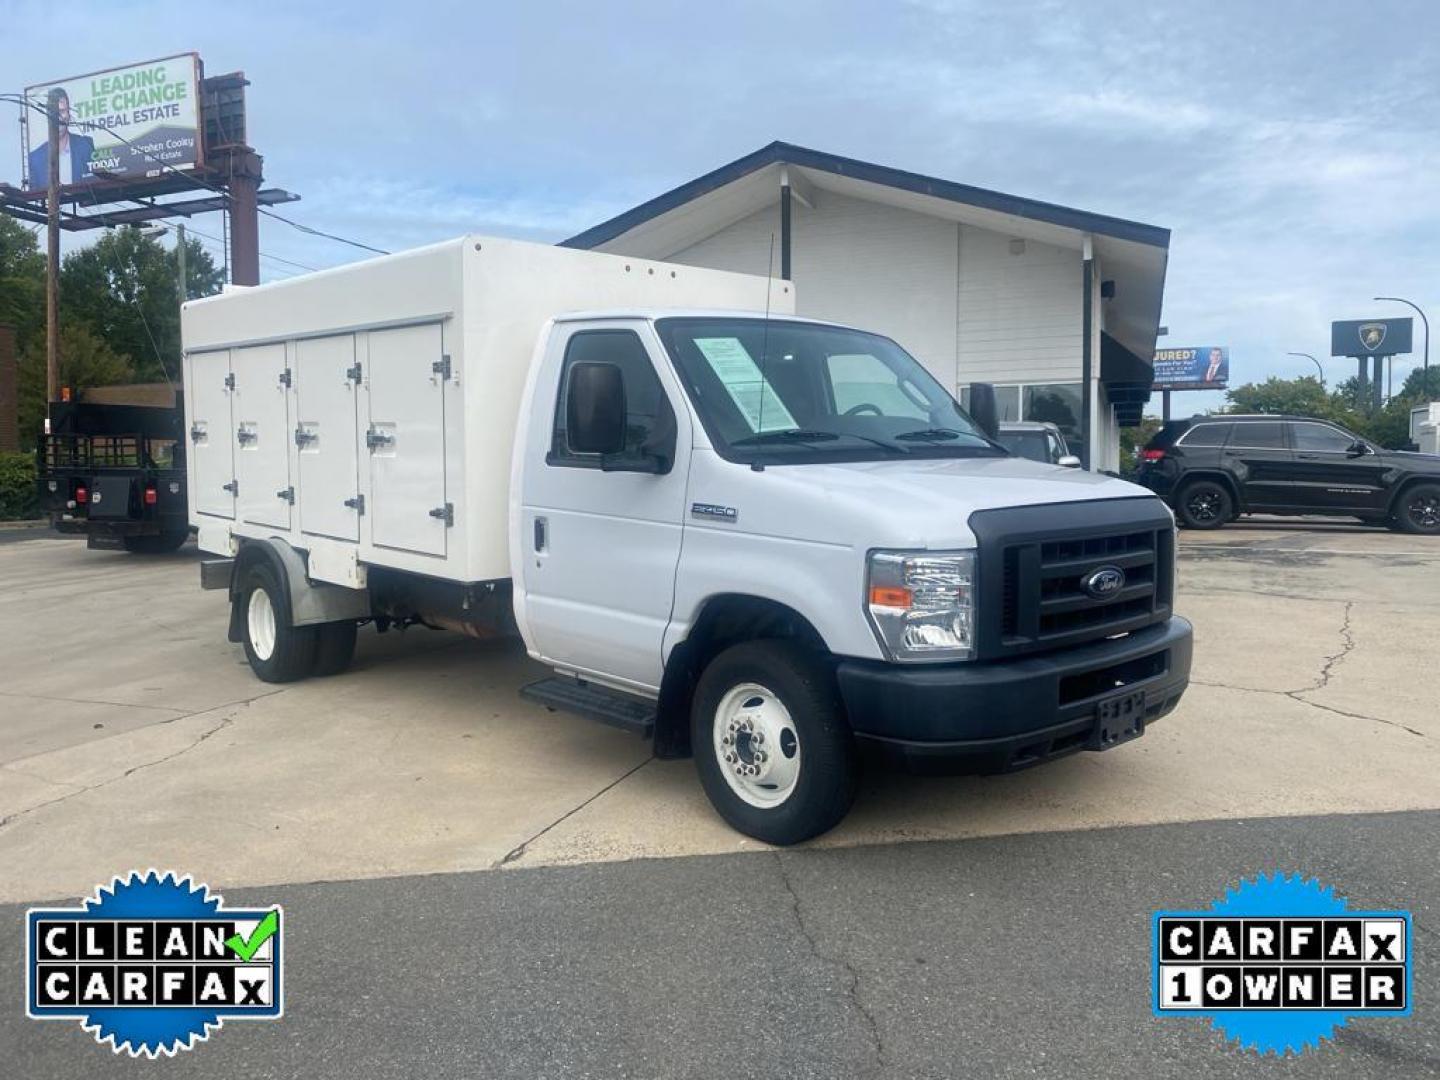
128, 123
1201, 367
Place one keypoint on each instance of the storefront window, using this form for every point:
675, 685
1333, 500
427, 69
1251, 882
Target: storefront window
1058, 404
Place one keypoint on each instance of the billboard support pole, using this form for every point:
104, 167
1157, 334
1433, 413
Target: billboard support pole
245, 177
1165, 405
52, 254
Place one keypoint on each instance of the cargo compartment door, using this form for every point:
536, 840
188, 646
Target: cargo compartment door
262, 429
405, 438
211, 437
326, 380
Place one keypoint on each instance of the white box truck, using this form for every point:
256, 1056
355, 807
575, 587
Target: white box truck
757, 539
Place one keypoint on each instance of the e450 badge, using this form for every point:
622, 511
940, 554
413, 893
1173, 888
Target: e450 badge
151, 964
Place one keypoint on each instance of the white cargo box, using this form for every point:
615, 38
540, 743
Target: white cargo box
366, 414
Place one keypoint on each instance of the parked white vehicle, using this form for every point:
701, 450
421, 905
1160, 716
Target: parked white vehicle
755, 538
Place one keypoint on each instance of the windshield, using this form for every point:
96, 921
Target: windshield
788, 392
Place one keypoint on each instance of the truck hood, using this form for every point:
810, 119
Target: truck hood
923, 503
974, 483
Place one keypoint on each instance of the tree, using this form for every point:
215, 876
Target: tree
1417, 387
123, 287
1296, 397
85, 361
22, 281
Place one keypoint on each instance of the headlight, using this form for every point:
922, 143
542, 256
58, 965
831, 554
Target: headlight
922, 605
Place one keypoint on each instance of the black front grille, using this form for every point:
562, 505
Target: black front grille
1033, 576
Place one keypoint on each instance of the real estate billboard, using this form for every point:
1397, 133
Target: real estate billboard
126, 123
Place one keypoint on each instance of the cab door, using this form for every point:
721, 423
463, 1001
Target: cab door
599, 547
1259, 458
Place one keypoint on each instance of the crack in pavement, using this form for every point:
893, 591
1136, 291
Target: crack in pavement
1347, 646
1327, 671
518, 851
852, 992
225, 721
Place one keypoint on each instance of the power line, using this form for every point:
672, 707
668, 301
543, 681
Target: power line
190, 229
86, 125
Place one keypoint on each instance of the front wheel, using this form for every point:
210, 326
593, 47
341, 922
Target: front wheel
1418, 510
1204, 504
772, 746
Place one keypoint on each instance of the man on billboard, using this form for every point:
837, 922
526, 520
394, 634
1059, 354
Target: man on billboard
75, 151
1213, 369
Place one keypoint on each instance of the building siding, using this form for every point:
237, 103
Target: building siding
952, 295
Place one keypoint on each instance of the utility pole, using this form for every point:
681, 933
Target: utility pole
180, 282
52, 254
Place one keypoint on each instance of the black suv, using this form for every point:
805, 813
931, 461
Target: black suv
1212, 469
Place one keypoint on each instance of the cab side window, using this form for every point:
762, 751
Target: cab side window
1322, 438
648, 416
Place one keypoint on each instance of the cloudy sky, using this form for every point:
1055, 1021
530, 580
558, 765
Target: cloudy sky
1293, 148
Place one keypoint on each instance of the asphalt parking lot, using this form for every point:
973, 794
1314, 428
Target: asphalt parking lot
605, 921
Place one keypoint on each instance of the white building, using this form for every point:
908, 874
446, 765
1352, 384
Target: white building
1044, 301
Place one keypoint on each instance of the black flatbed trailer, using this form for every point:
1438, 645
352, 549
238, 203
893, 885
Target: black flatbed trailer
115, 473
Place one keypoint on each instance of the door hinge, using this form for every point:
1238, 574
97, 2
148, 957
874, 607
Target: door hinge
285, 377
288, 495
302, 437
441, 367
445, 513
230, 381
357, 504
353, 372
233, 487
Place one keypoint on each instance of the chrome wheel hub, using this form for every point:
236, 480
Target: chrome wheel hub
756, 745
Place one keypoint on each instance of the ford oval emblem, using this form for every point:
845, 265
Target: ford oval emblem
1104, 582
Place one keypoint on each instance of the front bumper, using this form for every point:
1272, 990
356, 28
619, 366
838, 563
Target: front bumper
1003, 715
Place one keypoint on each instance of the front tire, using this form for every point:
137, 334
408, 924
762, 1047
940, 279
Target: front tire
771, 742
1418, 510
277, 651
1204, 504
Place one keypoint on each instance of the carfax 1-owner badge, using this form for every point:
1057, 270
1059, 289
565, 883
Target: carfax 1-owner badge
151, 964
1280, 963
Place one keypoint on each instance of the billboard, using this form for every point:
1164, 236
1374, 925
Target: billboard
1370, 337
127, 123
1201, 367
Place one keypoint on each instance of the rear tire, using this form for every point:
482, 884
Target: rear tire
277, 651
771, 742
334, 647
160, 544
1418, 510
1204, 504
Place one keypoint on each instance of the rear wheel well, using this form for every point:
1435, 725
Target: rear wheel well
723, 621
1214, 477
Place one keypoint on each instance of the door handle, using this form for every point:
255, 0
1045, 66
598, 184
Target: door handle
377, 440
540, 534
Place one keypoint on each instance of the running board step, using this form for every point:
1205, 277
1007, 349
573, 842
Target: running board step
596, 702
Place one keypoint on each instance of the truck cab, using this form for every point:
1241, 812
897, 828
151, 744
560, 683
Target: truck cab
789, 536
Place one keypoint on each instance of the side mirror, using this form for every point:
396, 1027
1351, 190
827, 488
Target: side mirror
595, 408
1359, 449
1069, 461
983, 409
